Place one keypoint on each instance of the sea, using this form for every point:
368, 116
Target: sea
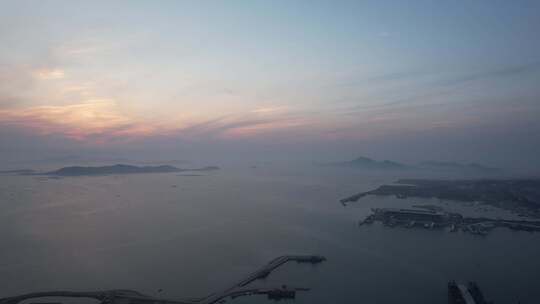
189, 234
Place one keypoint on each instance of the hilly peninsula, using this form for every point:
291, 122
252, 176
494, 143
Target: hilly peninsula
518, 195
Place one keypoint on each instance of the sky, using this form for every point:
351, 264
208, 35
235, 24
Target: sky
259, 80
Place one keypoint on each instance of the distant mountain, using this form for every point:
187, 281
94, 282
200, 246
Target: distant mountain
368, 163
18, 171
454, 166
208, 168
435, 166
121, 169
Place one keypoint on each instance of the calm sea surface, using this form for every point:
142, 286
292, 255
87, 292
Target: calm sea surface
192, 235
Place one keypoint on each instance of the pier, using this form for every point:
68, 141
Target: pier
262, 273
465, 294
237, 290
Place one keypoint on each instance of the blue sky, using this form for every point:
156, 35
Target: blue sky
306, 75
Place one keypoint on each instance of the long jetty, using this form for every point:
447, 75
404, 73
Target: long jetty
262, 273
236, 290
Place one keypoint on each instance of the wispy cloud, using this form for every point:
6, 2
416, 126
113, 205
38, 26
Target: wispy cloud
101, 120
47, 74
270, 109
501, 72
435, 92
253, 123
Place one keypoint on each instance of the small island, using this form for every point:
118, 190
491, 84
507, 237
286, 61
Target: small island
122, 169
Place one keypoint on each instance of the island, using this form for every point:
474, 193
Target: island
122, 169
18, 171
521, 196
367, 163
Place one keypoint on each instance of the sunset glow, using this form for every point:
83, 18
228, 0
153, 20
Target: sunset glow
238, 73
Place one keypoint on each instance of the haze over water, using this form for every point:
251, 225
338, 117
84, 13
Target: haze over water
192, 235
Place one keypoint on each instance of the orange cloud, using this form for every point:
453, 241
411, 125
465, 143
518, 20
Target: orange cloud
47, 74
101, 120
268, 110
78, 121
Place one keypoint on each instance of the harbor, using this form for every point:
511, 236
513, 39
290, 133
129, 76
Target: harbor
431, 219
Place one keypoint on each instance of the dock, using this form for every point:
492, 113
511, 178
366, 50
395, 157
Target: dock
261, 273
430, 219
